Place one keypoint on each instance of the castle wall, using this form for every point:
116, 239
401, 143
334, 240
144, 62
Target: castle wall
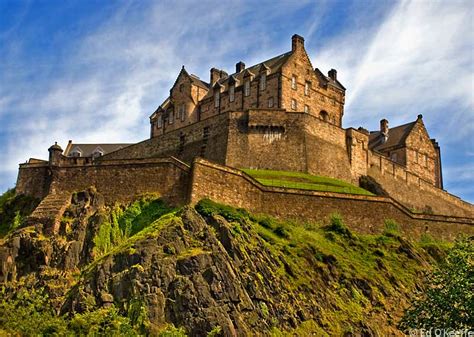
414, 192
119, 180
358, 151
365, 214
33, 180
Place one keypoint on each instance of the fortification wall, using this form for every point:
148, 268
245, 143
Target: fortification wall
366, 214
118, 180
207, 138
33, 180
414, 192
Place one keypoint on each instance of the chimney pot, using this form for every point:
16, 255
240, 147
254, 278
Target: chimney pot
384, 127
297, 42
333, 74
239, 66
420, 116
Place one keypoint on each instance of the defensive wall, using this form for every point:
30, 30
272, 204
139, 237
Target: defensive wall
116, 180
365, 214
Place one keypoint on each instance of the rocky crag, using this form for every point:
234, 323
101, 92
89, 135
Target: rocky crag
212, 269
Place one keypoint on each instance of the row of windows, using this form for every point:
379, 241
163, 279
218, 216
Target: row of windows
307, 89
262, 86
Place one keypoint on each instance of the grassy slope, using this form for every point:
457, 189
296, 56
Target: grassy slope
354, 279
304, 181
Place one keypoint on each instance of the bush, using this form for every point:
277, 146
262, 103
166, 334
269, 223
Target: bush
282, 232
337, 226
172, 331
207, 207
391, 228
14, 209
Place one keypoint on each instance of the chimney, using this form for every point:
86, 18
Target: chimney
239, 67
215, 75
297, 42
420, 116
384, 129
332, 74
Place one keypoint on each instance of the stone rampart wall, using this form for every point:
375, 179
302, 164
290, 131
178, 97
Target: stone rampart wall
365, 214
414, 192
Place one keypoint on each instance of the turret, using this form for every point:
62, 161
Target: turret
55, 152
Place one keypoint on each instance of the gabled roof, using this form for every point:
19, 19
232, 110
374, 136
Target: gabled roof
396, 137
328, 80
88, 149
273, 65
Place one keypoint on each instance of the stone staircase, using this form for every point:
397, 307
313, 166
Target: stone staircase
49, 212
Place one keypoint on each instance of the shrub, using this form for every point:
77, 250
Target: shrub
14, 209
391, 228
281, 231
172, 331
337, 226
207, 207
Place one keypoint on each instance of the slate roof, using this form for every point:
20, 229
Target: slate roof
396, 137
88, 149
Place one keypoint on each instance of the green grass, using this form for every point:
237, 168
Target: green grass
304, 181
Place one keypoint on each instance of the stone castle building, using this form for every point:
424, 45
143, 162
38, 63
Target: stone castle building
280, 114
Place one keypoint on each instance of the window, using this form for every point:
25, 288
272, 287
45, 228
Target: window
217, 98
426, 161
171, 118
232, 93
293, 82
263, 81
181, 112
307, 86
160, 121
306, 109
270, 102
97, 153
76, 153
394, 156
324, 116
293, 104
247, 88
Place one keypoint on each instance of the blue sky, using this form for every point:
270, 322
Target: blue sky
93, 71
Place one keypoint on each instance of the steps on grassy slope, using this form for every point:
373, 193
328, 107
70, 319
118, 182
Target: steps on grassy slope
50, 211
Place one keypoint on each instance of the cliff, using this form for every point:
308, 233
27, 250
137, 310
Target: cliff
209, 269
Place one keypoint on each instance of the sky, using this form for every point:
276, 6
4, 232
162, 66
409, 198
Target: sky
94, 71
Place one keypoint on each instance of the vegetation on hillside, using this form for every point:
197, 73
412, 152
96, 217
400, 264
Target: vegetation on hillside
304, 181
14, 209
333, 281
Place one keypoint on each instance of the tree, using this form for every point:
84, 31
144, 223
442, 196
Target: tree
448, 300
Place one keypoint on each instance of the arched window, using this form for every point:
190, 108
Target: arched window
324, 116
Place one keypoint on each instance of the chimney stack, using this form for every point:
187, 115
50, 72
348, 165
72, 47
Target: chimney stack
384, 129
239, 67
297, 42
215, 75
332, 74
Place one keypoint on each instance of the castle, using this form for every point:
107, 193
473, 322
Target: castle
280, 114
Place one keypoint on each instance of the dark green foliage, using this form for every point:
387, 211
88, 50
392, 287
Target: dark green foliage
207, 207
448, 300
282, 232
14, 209
101, 322
126, 222
391, 228
337, 226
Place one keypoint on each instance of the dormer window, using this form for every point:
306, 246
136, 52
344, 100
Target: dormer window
293, 82
247, 88
232, 93
217, 98
307, 86
97, 153
76, 153
263, 81
160, 121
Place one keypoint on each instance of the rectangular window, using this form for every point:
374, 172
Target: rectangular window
307, 86
217, 98
426, 161
270, 102
171, 120
293, 104
263, 82
160, 121
247, 88
293, 82
306, 108
181, 112
231, 93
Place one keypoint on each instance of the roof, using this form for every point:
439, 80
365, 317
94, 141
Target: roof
88, 149
272, 66
396, 137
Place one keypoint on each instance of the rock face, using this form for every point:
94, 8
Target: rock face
202, 271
